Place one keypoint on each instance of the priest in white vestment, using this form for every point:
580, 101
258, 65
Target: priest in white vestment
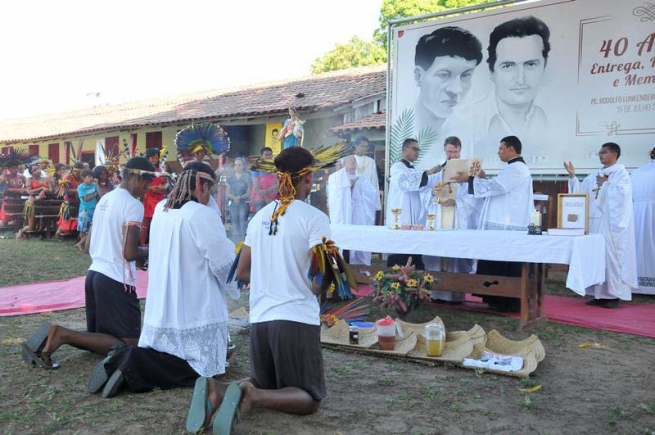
351, 201
466, 208
366, 167
643, 197
508, 205
406, 184
610, 214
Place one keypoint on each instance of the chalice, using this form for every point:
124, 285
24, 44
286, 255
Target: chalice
396, 213
431, 217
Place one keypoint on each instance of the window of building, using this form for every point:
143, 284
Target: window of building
153, 140
33, 150
53, 152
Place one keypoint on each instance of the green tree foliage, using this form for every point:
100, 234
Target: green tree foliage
358, 52
398, 9
354, 53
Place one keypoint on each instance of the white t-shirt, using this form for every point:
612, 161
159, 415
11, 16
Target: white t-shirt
114, 210
186, 309
279, 286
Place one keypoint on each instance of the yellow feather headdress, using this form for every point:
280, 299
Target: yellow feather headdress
324, 157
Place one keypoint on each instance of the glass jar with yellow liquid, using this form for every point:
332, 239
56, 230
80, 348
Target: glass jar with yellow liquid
435, 338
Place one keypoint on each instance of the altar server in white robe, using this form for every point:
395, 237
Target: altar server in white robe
610, 214
643, 196
351, 201
406, 186
185, 333
467, 213
508, 205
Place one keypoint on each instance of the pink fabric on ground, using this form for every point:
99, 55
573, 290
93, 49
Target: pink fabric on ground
630, 318
52, 295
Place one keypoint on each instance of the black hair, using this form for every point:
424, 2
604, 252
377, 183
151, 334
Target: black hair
78, 165
408, 141
186, 184
615, 148
59, 166
361, 139
85, 172
447, 41
452, 140
513, 142
652, 153
98, 170
152, 152
265, 149
293, 160
518, 28
138, 163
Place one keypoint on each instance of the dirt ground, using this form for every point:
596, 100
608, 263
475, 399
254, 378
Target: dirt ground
584, 391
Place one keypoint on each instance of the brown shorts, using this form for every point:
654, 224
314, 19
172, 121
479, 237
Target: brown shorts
287, 354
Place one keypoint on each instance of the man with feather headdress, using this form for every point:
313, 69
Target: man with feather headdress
113, 313
286, 236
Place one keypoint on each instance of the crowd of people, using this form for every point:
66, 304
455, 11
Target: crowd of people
184, 338
178, 227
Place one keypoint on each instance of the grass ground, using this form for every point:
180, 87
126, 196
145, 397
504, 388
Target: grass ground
583, 391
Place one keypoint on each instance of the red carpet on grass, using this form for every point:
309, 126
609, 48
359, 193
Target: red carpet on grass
638, 319
631, 318
52, 295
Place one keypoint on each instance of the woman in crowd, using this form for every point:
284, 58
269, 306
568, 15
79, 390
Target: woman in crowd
155, 193
37, 189
101, 175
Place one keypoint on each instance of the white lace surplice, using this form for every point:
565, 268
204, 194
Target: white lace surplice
186, 307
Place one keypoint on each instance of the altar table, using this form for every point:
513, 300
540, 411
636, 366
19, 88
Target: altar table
585, 256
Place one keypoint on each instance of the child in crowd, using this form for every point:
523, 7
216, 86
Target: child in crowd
89, 193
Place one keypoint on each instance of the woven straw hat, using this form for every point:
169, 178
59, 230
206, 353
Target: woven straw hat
500, 344
339, 335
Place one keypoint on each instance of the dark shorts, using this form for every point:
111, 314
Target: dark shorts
109, 308
287, 354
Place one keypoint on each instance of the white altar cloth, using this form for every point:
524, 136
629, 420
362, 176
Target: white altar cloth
585, 255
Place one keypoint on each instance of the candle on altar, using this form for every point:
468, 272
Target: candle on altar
535, 219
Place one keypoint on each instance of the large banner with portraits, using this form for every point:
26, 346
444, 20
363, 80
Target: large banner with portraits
564, 76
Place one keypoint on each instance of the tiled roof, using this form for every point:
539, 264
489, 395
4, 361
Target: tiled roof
308, 94
376, 121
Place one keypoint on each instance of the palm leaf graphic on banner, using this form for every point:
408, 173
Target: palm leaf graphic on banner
402, 129
426, 137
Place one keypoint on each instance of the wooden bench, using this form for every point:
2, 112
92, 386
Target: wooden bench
528, 288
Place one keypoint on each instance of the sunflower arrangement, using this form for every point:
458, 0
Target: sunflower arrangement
402, 287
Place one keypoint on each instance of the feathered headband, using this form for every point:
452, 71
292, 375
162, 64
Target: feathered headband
14, 158
110, 156
324, 157
76, 153
205, 136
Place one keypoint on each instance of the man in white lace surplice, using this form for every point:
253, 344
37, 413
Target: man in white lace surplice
184, 334
610, 213
186, 307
